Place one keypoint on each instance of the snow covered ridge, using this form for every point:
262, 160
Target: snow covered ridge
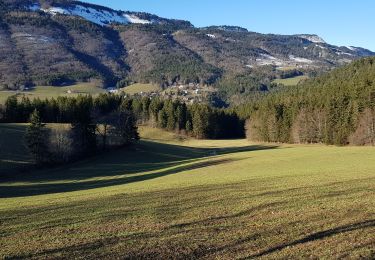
101, 17
352, 48
311, 37
300, 60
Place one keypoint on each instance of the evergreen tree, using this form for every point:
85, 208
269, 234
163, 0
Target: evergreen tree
83, 130
200, 121
155, 106
11, 110
189, 127
181, 116
125, 127
162, 119
37, 139
169, 110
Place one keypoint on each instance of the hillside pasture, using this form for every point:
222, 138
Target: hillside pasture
291, 81
140, 88
44, 92
175, 197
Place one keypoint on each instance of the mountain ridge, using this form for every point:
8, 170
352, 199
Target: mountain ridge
54, 42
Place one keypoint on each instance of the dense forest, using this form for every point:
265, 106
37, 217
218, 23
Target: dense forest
197, 120
88, 125
337, 108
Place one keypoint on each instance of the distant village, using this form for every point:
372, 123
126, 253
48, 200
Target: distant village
188, 93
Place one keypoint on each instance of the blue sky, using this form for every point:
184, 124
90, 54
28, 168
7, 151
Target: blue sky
339, 22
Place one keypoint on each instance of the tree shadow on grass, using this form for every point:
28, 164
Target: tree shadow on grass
144, 157
229, 216
319, 235
49, 188
145, 161
310, 238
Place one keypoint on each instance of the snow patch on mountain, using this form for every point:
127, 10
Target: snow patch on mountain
136, 19
56, 10
311, 37
352, 48
300, 60
321, 47
268, 57
213, 36
33, 38
101, 17
343, 53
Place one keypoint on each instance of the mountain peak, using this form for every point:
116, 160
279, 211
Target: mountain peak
311, 37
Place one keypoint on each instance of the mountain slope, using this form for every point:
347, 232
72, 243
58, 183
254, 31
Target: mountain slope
56, 42
154, 55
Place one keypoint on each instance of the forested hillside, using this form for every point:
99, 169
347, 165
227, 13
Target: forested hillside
54, 42
337, 108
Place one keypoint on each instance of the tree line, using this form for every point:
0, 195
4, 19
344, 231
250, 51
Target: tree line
89, 124
336, 108
196, 120
85, 126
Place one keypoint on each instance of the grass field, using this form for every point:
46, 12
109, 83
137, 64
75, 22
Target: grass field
44, 92
290, 81
138, 88
286, 68
184, 198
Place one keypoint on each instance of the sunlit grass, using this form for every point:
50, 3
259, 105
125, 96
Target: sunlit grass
44, 92
291, 81
172, 196
138, 88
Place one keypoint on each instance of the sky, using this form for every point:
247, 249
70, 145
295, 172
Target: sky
338, 22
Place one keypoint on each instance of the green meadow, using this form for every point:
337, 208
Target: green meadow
291, 81
44, 92
176, 197
138, 88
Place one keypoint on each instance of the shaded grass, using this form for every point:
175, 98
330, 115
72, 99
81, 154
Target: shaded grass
244, 202
13, 153
14, 156
107, 173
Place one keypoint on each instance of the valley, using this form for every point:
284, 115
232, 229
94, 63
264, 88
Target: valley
45, 92
68, 42
126, 134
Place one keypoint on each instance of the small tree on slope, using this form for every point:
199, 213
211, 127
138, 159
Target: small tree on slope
37, 138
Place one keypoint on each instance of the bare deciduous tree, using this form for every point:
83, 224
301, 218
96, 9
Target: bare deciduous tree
61, 144
365, 132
